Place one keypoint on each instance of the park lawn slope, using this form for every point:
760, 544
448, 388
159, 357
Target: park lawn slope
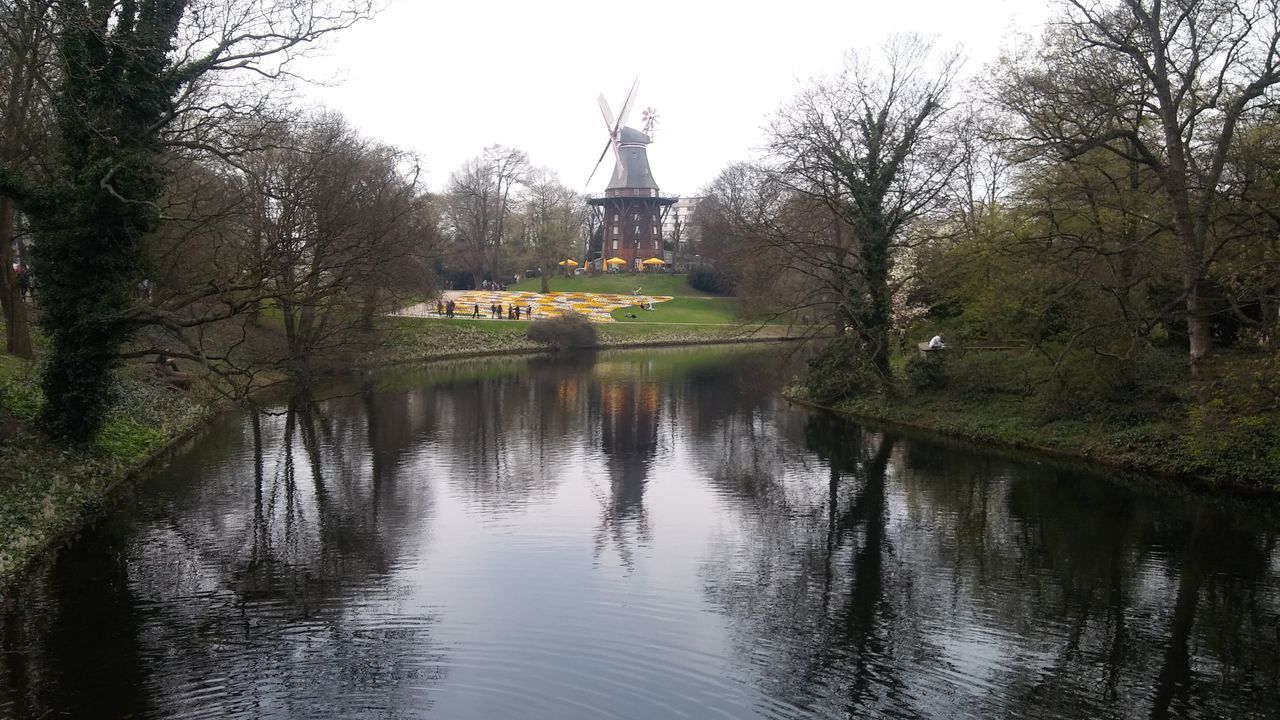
414, 339
698, 311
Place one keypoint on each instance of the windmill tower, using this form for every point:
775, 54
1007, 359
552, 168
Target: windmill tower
631, 211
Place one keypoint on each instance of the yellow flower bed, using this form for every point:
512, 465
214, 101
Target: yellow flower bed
597, 307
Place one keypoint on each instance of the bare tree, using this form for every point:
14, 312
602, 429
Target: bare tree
1165, 85
554, 215
871, 146
478, 204
333, 212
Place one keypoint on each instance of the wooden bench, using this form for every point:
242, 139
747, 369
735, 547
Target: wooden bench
924, 348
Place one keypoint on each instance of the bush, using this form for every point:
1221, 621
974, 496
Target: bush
568, 331
926, 373
710, 280
839, 371
1243, 450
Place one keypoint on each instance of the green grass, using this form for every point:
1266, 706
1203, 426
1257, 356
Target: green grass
617, 283
698, 311
416, 339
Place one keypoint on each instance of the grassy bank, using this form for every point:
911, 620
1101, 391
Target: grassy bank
422, 339
683, 311
1154, 421
48, 491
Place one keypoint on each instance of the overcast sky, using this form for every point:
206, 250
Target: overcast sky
445, 79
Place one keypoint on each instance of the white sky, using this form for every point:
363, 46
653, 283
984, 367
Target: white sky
445, 79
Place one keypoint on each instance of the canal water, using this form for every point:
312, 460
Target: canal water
638, 535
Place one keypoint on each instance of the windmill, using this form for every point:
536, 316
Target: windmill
650, 117
631, 211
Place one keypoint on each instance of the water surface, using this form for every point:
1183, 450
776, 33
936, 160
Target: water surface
638, 535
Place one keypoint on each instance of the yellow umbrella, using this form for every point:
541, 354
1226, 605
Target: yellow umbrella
570, 263
615, 261
653, 261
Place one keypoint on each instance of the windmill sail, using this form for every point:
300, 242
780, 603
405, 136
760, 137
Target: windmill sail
631, 160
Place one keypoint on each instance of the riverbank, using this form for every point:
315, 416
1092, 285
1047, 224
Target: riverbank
412, 339
48, 492
1206, 445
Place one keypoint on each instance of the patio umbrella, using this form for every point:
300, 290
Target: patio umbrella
653, 261
615, 261
570, 263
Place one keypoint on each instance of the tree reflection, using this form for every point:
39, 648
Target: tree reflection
923, 579
289, 579
499, 446
859, 572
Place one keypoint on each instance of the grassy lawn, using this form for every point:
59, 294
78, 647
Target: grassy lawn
620, 283
697, 311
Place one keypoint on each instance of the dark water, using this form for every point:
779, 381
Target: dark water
639, 535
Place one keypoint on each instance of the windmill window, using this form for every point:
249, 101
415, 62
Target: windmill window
615, 230
615, 217
615, 244
637, 230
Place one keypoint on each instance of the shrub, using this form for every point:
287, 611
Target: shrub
568, 331
979, 375
926, 373
839, 371
1240, 449
710, 280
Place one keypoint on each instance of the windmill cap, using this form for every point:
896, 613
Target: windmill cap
631, 136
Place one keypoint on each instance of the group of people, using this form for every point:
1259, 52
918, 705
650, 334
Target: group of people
514, 312
492, 285
449, 308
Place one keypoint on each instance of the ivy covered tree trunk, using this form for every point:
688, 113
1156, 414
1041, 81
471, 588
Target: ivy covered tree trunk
875, 317
91, 223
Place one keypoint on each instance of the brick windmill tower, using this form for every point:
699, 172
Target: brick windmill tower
630, 214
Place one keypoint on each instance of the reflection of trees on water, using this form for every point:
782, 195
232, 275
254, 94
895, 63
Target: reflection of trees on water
271, 572
931, 580
503, 445
820, 587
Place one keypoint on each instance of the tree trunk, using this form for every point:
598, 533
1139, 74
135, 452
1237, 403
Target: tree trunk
1198, 325
546, 281
16, 316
